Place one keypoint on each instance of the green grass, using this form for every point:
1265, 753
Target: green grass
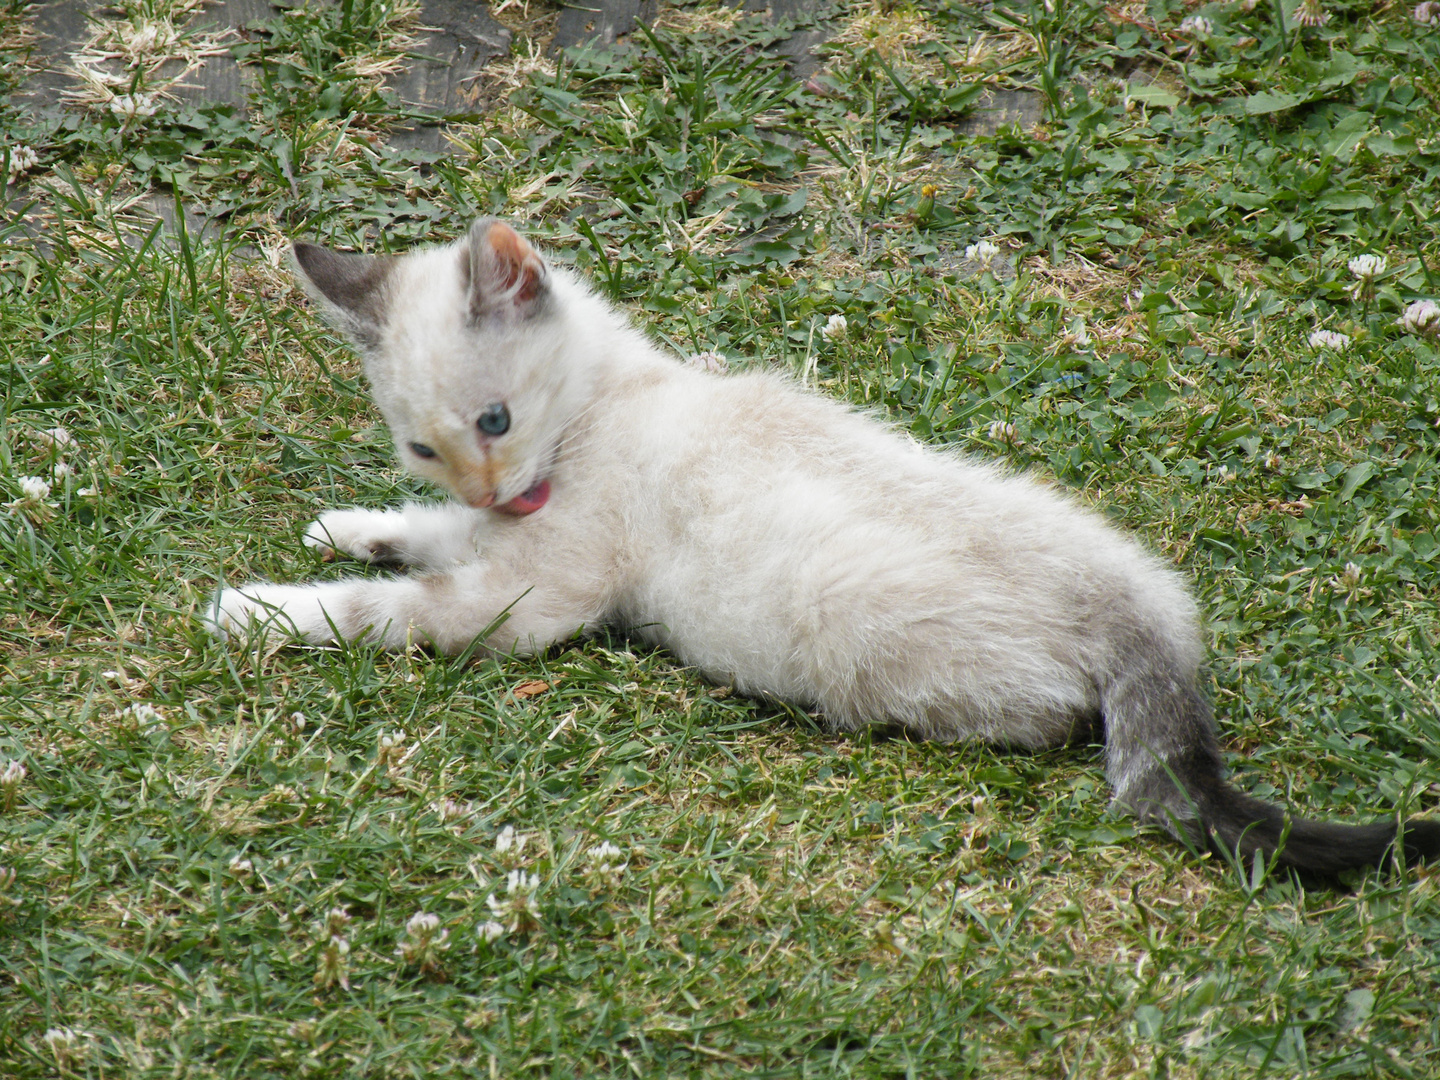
791, 902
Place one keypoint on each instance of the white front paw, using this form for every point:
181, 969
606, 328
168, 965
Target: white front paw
273, 611
367, 535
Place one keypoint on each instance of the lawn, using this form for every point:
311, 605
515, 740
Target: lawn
1188, 292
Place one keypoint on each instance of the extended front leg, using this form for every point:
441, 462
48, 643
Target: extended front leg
447, 610
426, 537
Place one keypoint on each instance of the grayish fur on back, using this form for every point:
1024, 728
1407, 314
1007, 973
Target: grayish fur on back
772, 538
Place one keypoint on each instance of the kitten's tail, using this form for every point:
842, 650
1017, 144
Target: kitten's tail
1164, 763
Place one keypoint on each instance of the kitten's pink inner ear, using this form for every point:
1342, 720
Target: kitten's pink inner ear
520, 263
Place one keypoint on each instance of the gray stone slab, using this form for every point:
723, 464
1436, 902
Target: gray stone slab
61, 27
32, 214
460, 37
797, 49
439, 78
599, 22
219, 80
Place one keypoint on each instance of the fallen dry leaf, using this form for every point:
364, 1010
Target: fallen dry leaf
529, 688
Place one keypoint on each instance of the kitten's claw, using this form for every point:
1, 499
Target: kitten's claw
428, 537
360, 534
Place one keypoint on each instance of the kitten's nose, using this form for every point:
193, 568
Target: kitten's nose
476, 487
473, 493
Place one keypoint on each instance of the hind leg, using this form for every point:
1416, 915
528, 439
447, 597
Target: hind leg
936, 680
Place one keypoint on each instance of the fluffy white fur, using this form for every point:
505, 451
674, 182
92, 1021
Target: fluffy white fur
774, 539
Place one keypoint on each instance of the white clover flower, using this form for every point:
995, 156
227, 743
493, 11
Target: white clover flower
11, 777
297, 723
241, 868
1197, 26
143, 714
448, 810
605, 862
130, 106
22, 159
337, 922
984, 252
490, 931
1367, 267
519, 911
334, 964
835, 328
1421, 317
1271, 461
60, 470
1427, 13
33, 489
1349, 580
1311, 13
1002, 431
1329, 339
509, 844
518, 881
63, 1042
60, 1037
55, 438
605, 852
710, 361
390, 752
87, 492
424, 941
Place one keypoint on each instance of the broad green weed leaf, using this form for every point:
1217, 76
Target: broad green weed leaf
1355, 477
1265, 103
1156, 97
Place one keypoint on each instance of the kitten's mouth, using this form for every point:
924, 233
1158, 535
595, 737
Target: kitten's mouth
527, 502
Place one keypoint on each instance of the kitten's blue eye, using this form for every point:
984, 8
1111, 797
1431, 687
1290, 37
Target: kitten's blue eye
421, 450
495, 419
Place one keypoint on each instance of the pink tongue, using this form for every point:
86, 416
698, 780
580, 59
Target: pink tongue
527, 502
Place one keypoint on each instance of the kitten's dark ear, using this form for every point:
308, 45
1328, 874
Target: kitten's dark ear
354, 287
506, 276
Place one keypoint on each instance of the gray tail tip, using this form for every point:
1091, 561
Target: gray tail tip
1244, 825
1421, 840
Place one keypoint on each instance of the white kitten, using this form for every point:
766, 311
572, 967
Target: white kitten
773, 538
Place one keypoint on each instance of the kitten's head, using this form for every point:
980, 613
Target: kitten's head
469, 355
